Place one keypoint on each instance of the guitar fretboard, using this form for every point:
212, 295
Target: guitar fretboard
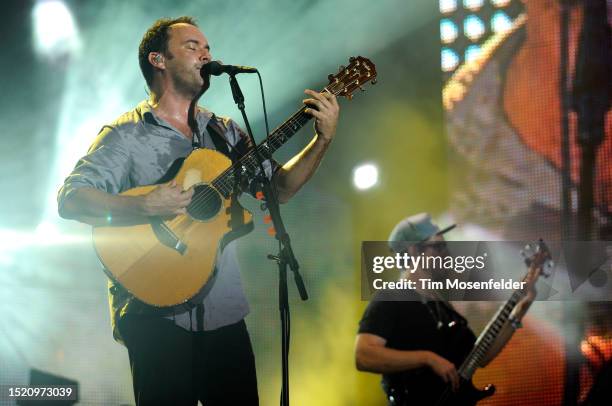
247, 165
360, 71
489, 335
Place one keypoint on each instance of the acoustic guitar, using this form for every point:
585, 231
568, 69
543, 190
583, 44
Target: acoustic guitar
168, 261
423, 387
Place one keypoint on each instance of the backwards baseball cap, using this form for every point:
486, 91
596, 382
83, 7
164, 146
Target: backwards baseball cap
417, 228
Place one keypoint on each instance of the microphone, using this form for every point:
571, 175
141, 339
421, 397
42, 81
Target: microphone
216, 68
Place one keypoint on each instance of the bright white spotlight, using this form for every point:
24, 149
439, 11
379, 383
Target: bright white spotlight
473, 4
472, 52
55, 32
446, 6
500, 3
448, 31
365, 176
449, 59
47, 231
500, 22
473, 27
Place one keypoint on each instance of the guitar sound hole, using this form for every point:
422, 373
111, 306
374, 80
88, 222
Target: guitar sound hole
205, 203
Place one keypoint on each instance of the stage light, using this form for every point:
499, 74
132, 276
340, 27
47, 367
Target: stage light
500, 3
500, 22
46, 232
365, 176
472, 52
473, 4
448, 31
473, 27
55, 32
449, 59
448, 6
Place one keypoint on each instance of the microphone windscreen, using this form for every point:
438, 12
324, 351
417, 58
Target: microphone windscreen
213, 68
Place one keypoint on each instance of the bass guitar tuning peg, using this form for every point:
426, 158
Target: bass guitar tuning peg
547, 268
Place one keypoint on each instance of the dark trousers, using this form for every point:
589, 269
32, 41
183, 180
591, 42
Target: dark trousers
172, 366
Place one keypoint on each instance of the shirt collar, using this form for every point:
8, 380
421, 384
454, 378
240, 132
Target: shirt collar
147, 115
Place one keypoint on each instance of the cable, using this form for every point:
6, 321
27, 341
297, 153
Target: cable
265, 112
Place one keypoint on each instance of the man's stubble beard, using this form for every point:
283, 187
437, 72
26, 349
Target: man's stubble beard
187, 84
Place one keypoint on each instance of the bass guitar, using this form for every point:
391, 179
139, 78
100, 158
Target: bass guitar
423, 387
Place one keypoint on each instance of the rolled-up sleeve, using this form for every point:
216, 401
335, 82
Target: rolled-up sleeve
105, 167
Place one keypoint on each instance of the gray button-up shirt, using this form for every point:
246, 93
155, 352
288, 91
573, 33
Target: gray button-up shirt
137, 150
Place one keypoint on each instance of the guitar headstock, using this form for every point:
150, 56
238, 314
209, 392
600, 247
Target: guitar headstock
349, 78
538, 258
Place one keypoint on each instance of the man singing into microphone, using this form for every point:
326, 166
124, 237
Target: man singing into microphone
180, 356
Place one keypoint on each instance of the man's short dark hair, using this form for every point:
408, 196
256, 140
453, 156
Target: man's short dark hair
156, 40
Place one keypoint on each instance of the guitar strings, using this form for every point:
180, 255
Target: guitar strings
223, 181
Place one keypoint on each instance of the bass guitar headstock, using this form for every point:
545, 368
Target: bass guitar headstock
538, 259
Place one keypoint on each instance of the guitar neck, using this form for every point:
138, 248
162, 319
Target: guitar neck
248, 164
282, 134
489, 336
349, 78
486, 340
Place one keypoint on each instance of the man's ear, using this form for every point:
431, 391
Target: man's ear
157, 60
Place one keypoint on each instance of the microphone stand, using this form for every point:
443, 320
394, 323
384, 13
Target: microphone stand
285, 255
591, 101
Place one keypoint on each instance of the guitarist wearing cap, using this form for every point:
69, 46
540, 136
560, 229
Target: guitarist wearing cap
418, 344
179, 355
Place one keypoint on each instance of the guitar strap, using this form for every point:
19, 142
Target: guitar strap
219, 140
222, 145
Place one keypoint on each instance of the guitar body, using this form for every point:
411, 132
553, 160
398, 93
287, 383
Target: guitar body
146, 261
426, 388
467, 395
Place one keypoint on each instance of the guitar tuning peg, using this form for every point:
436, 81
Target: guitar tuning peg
374, 81
352, 59
330, 77
341, 67
547, 269
362, 89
